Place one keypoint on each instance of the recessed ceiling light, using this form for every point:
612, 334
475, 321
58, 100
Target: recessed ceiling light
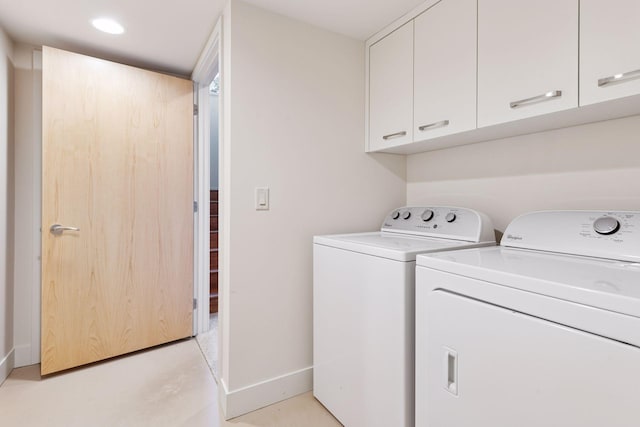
108, 26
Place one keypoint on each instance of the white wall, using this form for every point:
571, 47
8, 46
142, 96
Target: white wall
28, 148
593, 166
293, 106
6, 206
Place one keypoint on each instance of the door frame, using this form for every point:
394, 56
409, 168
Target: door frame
206, 68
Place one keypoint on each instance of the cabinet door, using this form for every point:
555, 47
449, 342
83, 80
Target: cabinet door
527, 58
445, 69
391, 89
491, 366
609, 49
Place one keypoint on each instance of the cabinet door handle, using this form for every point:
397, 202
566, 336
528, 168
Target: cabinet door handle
534, 100
619, 78
435, 125
394, 135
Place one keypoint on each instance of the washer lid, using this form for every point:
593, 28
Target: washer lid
391, 245
607, 284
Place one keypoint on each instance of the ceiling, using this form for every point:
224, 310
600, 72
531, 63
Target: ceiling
168, 35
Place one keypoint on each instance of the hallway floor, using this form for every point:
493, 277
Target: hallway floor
170, 385
208, 342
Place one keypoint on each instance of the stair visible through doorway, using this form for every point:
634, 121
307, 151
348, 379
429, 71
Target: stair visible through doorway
213, 252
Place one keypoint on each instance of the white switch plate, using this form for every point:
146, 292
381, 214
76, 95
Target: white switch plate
262, 198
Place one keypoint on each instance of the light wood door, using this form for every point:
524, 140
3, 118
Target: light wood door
445, 69
391, 89
527, 58
118, 165
609, 53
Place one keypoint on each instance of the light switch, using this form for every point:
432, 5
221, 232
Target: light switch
262, 198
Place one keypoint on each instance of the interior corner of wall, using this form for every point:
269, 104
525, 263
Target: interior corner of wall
37, 58
6, 44
6, 365
22, 356
226, 12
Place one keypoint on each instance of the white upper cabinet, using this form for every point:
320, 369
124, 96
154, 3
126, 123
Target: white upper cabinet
527, 58
391, 89
455, 72
445, 69
609, 49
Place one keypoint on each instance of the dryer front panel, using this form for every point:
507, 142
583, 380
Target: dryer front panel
481, 365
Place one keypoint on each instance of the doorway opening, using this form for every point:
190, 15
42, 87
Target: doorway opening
208, 340
209, 280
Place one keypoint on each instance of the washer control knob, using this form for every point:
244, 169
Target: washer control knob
406, 215
427, 215
395, 215
450, 217
606, 225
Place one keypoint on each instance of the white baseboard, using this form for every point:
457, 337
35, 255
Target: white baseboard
223, 391
22, 356
238, 402
6, 365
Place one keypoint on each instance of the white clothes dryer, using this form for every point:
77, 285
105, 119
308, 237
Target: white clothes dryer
543, 330
363, 310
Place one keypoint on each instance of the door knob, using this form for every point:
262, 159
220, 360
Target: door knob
58, 229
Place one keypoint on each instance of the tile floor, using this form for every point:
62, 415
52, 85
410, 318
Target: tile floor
168, 386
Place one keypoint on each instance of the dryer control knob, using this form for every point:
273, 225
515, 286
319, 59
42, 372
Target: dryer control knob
450, 217
406, 215
427, 215
606, 225
395, 215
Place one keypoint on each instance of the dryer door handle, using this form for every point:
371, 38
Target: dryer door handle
450, 360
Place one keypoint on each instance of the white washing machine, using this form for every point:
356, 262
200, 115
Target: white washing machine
363, 310
543, 330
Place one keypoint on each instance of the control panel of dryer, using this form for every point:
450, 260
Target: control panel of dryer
442, 222
602, 234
